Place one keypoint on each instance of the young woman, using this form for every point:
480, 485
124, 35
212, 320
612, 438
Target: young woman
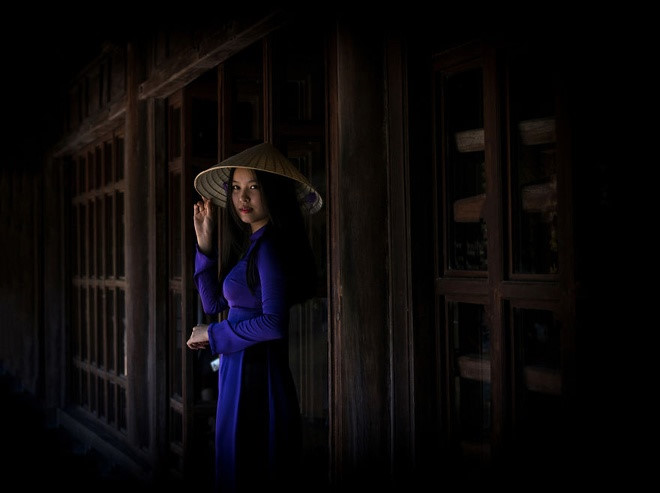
267, 267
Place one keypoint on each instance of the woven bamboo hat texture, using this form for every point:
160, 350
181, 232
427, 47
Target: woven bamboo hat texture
213, 182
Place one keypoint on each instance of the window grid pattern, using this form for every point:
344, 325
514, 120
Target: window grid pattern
504, 320
98, 329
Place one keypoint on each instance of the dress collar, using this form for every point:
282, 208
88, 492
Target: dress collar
259, 233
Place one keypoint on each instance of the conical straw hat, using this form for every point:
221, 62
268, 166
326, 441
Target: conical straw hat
212, 183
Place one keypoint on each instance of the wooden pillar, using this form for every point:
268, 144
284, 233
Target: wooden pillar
360, 351
136, 250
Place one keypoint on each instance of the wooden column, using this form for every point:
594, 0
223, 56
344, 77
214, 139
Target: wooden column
136, 251
361, 415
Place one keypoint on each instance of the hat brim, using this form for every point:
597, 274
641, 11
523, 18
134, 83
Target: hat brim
213, 182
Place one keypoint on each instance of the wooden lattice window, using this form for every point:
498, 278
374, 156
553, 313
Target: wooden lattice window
98, 298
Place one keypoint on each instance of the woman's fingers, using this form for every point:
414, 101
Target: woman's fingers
203, 207
198, 338
196, 344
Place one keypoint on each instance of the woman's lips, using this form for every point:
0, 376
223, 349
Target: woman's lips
246, 210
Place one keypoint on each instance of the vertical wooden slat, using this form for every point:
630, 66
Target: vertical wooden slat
38, 277
62, 354
495, 222
222, 146
267, 74
174, 159
188, 308
102, 227
334, 261
400, 305
565, 221
86, 293
158, 282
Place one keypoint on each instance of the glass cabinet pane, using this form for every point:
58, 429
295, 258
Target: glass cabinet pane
111, 324
100, 314
119, 235
109, 237
119, 157
92, 326
176, 364
112, 412
122, 362
533, 167
84, 324
107, 163
204, 135
91, 239
537, 339
84, 233
539, 406
470, 343
462, 125
175, 233
101, 383
175, 133
76, 234
99, 239
76, 310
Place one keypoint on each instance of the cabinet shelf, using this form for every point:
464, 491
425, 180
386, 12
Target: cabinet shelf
537, 131
543, 380
474, 368
470, 140
541, 197
469, 209
476, 449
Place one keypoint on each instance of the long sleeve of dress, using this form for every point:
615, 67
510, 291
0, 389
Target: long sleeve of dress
208, 285
247, 326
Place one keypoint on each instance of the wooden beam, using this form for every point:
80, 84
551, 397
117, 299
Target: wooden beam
93, 129
214, 49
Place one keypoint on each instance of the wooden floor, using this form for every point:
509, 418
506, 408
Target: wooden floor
36, 454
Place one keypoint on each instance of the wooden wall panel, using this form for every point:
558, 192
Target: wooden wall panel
21, 288
55, 231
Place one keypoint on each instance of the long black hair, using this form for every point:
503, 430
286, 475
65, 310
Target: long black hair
286, 226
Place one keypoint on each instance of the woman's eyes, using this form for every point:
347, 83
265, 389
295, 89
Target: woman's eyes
251, 187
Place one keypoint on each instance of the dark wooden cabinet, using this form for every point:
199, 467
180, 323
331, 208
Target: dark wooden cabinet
504, 270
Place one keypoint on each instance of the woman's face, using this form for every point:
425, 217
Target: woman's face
247, 198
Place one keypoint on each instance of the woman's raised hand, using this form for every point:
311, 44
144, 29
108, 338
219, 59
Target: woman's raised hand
204, 221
